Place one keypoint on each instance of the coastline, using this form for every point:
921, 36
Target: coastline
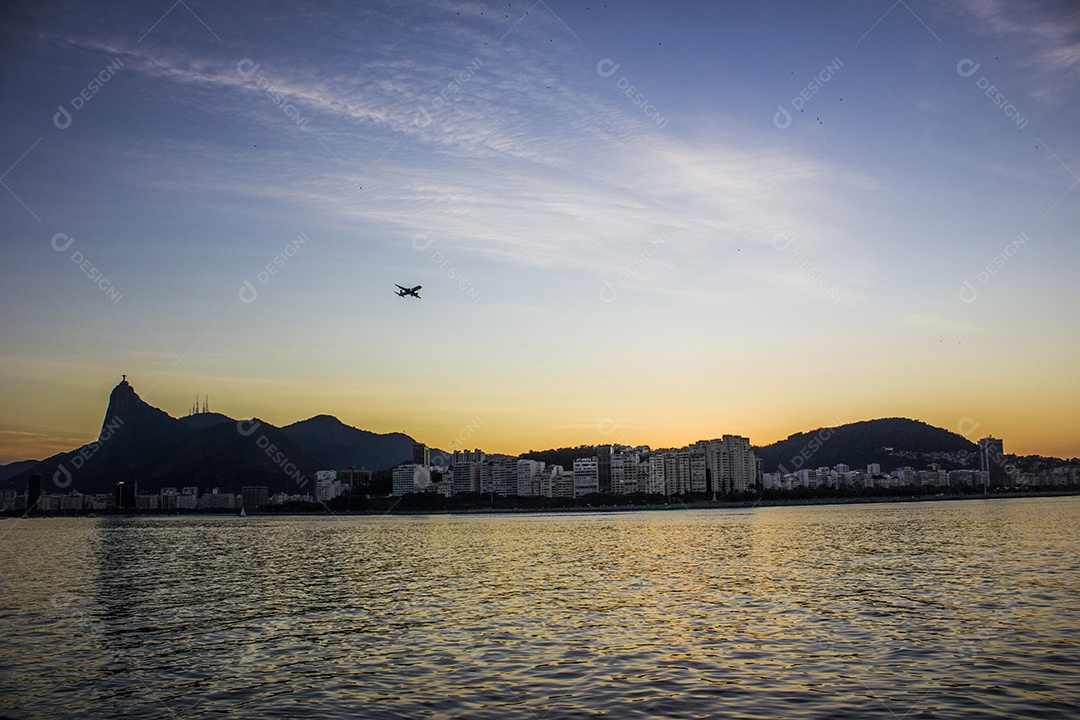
666, 507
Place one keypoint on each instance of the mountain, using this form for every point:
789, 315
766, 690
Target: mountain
141, 443
230, 455
204, 420
892, 442
12, 469
341, 446
131, 424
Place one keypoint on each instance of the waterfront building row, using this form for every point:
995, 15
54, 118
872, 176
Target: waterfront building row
723, 465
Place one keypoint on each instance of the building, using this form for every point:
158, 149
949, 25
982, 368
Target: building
33, 493
421, 455
466, 456
680, 471
354, 479
216, 500
410, 478
586, 476
992, 461
735, 463
529, 476
254, 496
465, 475
555, 482
656, 482
772, 481
967, 478
188, 499
934, 477
74, 500
905, 476
100, 501
327, 485
125, 495
603, 469
698, 475
499, 476
549, 481
626, 472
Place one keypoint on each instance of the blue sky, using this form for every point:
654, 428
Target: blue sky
614, 225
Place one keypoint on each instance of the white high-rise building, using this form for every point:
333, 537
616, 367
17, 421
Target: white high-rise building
626, 472
466, 476
698, 481
410, 477
904, 476
327, 486
557, 482
326, 489
677, 471
586, 476
529, 473
500, 476
656, 482
732, 464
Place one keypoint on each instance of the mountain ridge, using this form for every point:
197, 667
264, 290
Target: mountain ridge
139, 442
890, 442
142, 443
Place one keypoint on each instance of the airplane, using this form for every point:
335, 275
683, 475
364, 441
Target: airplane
404, 291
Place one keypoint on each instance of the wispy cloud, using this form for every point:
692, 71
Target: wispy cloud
1044, 40
490, 173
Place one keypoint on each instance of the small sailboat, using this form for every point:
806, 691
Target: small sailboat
243, 512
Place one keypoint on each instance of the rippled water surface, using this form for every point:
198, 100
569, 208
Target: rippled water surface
947, 609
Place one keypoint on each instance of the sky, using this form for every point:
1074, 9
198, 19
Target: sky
644, 223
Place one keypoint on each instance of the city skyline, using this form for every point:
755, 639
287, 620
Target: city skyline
632, 224
812, 439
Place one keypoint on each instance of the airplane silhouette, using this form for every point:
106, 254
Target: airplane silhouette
404, 291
